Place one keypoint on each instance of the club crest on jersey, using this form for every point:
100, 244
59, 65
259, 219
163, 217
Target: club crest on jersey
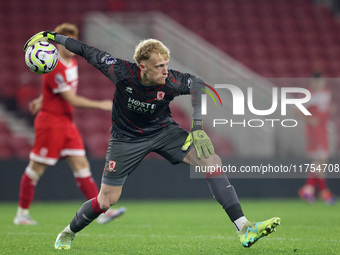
112, 165
43, 151
160, 95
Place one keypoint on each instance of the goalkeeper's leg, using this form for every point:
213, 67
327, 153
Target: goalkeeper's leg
225, 194
89, 211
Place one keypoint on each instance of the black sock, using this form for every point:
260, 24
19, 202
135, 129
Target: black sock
225, 194
88, 212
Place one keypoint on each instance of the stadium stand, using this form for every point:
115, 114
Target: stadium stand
275, 38
5, 139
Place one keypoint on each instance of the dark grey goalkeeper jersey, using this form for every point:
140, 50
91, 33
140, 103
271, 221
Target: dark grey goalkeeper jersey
138, 110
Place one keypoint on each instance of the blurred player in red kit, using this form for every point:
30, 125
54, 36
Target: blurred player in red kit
56, 136
317, 140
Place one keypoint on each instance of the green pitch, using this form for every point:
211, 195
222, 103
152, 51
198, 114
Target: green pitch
175, 227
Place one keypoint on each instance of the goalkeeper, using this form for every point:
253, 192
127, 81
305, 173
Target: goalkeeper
142, 123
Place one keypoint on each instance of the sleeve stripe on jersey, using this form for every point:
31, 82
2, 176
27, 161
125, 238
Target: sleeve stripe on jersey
59, 90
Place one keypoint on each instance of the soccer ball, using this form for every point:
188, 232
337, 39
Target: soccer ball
41, 57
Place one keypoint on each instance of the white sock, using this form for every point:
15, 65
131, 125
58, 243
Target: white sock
22, 211
239, 223
68, 229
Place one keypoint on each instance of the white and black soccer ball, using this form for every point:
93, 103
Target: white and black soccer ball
41, 57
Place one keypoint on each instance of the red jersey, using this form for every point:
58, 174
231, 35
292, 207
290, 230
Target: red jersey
317, 134
319, 106
64, 77
56, 136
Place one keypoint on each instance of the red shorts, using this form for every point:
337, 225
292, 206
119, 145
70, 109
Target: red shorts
55, 138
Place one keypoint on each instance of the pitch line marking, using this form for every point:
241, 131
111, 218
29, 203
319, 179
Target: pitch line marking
167, 236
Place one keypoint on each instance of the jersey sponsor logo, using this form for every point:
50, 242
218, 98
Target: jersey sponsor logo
141, 107
160, 95
112, 165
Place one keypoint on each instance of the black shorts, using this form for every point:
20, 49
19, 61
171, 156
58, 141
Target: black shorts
125, 154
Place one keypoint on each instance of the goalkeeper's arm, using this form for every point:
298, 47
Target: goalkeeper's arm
92, 55
197, 135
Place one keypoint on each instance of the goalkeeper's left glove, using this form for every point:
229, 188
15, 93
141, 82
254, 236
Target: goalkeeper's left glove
200, 140
43, 36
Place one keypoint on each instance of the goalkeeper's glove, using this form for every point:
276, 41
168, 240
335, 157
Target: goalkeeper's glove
43, 36
200, 140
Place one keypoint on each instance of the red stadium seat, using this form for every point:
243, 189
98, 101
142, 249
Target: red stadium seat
97, 144
20, 147
295, 31
5, 152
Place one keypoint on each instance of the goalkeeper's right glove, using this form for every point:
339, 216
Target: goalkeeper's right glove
200, 140
43, 36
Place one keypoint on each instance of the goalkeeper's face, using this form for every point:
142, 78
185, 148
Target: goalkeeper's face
154, 70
